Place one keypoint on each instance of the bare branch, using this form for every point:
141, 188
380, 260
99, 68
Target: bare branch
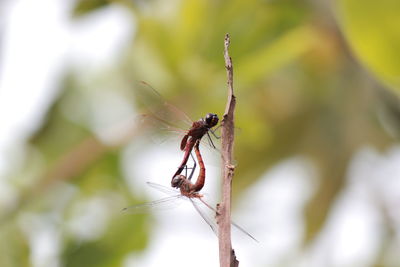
227, 256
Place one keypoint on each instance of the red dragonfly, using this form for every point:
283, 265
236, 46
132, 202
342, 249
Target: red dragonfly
192, 138
188, 191
196, 132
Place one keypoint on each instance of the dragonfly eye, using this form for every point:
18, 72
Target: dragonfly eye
211, 120
177, 181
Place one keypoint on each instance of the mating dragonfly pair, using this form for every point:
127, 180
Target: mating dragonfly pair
187, 189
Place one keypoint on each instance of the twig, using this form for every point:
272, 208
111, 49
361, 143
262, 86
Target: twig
227, 256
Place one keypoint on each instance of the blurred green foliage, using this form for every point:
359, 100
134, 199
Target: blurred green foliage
372, 30
300, 92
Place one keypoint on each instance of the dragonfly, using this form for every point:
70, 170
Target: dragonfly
188, 191
193, 135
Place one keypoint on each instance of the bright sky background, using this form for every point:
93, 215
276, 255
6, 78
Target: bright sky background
39, 40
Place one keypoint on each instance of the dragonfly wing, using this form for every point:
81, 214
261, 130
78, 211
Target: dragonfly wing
159, 132
163, 189
206, 218
241, 229
156, 105
164, 203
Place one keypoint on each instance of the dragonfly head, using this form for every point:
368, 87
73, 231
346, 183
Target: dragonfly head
211, 120
178, 180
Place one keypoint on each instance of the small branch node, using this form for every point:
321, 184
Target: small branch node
230, 167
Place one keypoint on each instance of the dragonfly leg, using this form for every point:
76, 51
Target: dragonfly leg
214, 130
210, 142
193, 168
190, 168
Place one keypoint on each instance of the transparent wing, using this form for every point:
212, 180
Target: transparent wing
157, 108
164, 121
206, 218
174, 200
164, 203
163, 189
241, 229
169, 191
244, 231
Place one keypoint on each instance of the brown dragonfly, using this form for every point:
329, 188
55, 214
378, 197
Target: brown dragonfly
188, 191
197, 130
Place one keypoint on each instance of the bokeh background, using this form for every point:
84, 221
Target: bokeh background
317, 147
